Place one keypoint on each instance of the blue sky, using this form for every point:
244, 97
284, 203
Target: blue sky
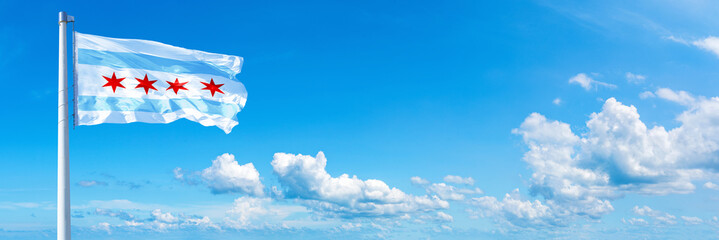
452, 120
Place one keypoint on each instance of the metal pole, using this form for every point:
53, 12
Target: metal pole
63, 156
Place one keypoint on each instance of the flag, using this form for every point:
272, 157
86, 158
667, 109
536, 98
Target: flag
129, 80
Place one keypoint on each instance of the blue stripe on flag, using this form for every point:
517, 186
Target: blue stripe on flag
162, 106
149, 62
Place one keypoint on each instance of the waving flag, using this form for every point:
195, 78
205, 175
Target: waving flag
129, 80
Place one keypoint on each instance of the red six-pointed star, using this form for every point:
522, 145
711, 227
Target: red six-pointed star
146, 84
177, 85
212, 87
113, 82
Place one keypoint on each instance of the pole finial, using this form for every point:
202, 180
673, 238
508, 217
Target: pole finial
63, 17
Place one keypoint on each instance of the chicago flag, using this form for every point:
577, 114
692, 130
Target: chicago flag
129, 80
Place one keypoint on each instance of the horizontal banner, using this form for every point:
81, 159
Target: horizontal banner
123, 60
162, 106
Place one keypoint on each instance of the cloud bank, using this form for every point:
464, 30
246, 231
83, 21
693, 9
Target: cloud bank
304, 178
226, 175
579, 174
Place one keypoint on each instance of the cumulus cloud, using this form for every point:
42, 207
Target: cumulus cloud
711, 185
350, 226
515, 211
444, 217
448, 192
305, 178
245, 209
166, 217
259, 212
579, 175
557, 101
133, 223
227, 176
660, 216
103, 226
619, 152
445, 191
458, 180
158, 221
588, 83
635, 78
710, 44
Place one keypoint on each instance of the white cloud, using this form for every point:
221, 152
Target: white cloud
710, 44
557, 101
660, 216
643, 211
677, 40
260, 212
246, 209
438, 216
203, 223
692, 220
618, 154
167, 217
445, 192
114, 213
714, 221
179, 174
680, 97
133, 223
103, 226
418, 180
227, 176
646, 94
306, 179
448, 192
588, 83
158, 220
632, 156
446, 228
444, 217
635, 78
459, 180
515, 211
350, 226
711, 185
91, 183
635, 221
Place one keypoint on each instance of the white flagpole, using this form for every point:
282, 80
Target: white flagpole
63, 156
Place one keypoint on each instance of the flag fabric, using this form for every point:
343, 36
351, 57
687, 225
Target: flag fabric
130, 80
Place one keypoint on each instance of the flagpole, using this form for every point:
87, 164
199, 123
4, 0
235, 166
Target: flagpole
63, 156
